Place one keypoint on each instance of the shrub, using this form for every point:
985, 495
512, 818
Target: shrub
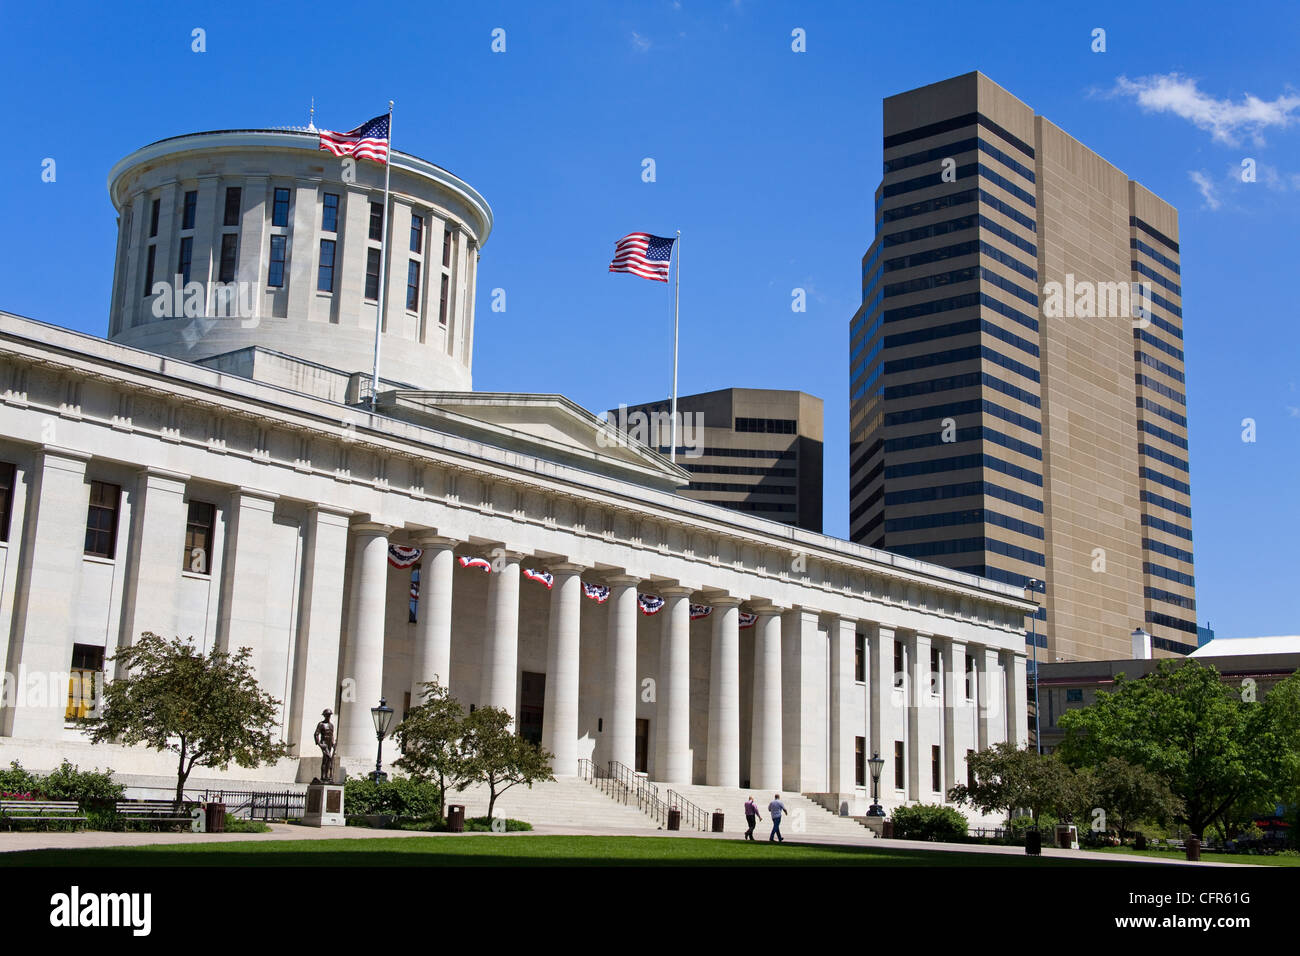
84, 786
399, 796
236, 825
16, 780
929, 822
481, 825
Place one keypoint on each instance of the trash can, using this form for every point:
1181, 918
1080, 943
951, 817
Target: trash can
887, 829
1140, 842
215, 817
674, 819
1194, 849
1033, 842
718, 817
456, 818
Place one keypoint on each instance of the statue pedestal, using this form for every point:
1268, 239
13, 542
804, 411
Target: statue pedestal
324, 805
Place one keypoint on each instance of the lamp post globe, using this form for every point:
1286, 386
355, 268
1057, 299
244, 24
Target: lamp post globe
877, 764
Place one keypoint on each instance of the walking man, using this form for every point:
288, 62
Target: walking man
752, 816
775, 809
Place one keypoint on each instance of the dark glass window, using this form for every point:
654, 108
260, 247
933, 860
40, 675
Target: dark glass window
782, 426
936, 779
898, 663
187, 210
330, 213
860, 658
900, 771
101, 519
325, 274
280, 208
234, 195
1074, 695
83, 680
6, 497
153, 218
275, 276
446, 248
197, 556
372, 273
229, 249
413, 286
442, 301
417, 234
936, 670
187, 256
377, 221
860, 761
970, 678
148, 270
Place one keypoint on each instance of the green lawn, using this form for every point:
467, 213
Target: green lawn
523, 850
1205, 857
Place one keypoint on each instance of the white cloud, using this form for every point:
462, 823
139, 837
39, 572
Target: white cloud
1222, 118
640, 42
1206, 186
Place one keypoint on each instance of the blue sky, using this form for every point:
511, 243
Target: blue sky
766, 160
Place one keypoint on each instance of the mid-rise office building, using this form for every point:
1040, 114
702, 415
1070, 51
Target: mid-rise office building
1018, 402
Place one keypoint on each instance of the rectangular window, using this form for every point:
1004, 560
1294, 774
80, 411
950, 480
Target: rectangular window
187, 210
84, 680
899, 768
970, 677
936, 670
330, 213
413, 286
970, 771
101, 519
234, 197
229, 258
1073, 695
325, 274
417, 234
936, 780
377, 221
860, 658
187, 256
198, 538
153, 217
275, 276
6, 497
442, 301
860, 762
372, 274
148, 270
898, 664
280, 208
446, 248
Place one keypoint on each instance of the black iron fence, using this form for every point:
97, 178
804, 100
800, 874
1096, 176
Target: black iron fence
256, 804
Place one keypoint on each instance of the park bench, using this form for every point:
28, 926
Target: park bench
154, 812
13, 812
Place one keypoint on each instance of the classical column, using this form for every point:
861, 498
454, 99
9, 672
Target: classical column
722, 766
1017, 706
560, 707
500, 668
155, 558
433, 615
922, 717
316, 661
958, 731
887, 704
49, 562
992, 726
673, 730
765, 757
620, 670
245, 568
844, 715
364, 665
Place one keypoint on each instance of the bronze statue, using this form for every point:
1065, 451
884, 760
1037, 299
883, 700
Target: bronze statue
324, 738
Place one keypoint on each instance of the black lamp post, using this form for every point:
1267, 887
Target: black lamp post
877, 764
382, 716
1040, 587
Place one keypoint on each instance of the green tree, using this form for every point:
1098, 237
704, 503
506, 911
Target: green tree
1007, 778
1129, 793
1184, 725
431, 739
208, 710
495, 755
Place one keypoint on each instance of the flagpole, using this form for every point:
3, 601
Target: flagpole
383, 262
677, 289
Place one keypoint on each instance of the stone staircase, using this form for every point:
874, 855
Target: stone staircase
563, 802
805, 818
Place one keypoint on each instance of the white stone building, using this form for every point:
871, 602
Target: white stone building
225, 479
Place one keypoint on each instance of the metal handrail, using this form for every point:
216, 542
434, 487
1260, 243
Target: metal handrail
696, 818
631, 779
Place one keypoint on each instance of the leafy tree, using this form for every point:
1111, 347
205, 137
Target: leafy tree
208, 710
496, 756
1184, 725
1130, 793
431, 738
1007, 778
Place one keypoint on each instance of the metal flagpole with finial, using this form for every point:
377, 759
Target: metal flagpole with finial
383, 258
311, 115
677, 289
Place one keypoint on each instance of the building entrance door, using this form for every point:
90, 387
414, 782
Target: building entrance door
532, 700
642, 745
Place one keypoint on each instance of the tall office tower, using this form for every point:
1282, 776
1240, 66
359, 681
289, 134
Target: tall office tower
757, 450
1017, 403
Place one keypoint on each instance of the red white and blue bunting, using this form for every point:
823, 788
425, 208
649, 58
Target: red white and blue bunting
483, 564
597, 592
747, 620
400, 557
649, 603
700, 610
541, 577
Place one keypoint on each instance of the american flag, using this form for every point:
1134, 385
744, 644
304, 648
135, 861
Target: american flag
644, 255
367, 141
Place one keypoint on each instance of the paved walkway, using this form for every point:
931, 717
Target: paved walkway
86, 839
